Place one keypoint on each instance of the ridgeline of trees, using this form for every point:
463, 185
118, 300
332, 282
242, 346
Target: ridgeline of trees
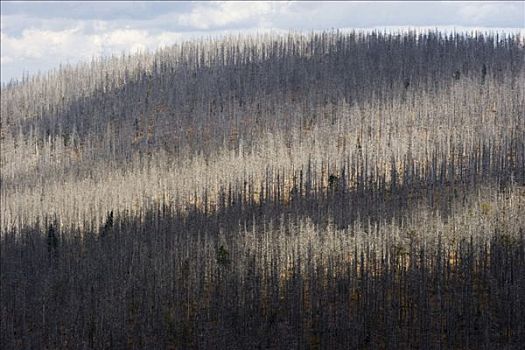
331, 190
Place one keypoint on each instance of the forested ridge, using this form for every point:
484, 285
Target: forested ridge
327, 190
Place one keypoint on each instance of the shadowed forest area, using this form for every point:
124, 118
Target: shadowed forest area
334, 190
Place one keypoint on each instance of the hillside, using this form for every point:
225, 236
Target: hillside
333, 190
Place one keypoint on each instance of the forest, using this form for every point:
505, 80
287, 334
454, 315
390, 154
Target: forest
324, 190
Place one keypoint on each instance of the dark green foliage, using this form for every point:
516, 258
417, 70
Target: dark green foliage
333, 181
223, 256
67, 138
52, 240
108, 225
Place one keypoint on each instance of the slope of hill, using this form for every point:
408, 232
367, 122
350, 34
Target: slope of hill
339, 190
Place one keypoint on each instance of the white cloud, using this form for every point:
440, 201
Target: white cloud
35, 44
36, 49
6, 60
217, 15
126, 38
491, 13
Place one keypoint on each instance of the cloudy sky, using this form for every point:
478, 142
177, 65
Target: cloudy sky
37, 36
